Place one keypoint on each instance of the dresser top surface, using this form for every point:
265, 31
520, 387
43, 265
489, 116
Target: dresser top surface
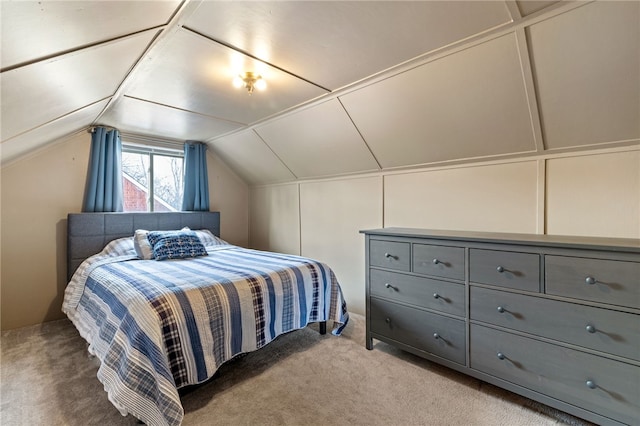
592, 243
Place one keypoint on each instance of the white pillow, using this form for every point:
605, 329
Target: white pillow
206, 237
141, 244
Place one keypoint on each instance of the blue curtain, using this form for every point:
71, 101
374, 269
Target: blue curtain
103, 192
196, 183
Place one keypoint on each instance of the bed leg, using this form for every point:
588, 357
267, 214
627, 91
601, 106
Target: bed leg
323, 327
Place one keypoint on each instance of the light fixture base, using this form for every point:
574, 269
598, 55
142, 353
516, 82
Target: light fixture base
250, 81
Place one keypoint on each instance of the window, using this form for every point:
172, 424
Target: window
151, 179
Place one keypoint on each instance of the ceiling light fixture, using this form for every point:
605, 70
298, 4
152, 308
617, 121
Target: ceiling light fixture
250, 81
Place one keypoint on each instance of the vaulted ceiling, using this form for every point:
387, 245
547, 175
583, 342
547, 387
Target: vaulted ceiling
353, 86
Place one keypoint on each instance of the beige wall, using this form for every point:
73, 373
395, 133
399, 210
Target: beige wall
494, 198
593, 194
229, 195
275, 218
331, 216
37, 192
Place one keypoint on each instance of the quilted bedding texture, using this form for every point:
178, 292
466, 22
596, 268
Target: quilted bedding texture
157, 326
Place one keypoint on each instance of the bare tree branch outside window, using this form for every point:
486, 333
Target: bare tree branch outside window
167, 173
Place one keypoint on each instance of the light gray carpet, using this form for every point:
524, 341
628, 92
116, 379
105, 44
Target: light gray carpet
302, 378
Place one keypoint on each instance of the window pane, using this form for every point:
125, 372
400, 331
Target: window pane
135, 181
167, 183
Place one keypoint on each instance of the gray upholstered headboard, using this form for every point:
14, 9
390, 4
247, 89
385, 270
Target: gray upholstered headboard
88, 233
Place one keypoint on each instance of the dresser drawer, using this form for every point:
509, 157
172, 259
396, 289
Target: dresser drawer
505, 269
604, 330
599, 280
600, 385
428, 293
390, 254
429, 332
440, 261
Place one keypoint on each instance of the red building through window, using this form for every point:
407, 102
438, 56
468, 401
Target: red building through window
135, 197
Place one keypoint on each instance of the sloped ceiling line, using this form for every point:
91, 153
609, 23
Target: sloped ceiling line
374, 79
274, 153
250, 55
34, 31
515, 29
586, 66
62, 117
77, 49
525, 64
465, 105
364, 141
183, 109
514, 10
50, 14
530, 88
120, 87
173, 23
27, 145
335, 45
50, 89
458, 46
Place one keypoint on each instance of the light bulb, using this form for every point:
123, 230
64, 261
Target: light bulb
238, 82
260, 84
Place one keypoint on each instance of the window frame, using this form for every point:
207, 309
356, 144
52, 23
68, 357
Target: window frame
132, 148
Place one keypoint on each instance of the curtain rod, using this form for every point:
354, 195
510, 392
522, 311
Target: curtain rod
92, 129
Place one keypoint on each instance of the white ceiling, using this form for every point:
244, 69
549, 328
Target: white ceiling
353, 86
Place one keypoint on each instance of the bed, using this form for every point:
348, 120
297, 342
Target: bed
157, 326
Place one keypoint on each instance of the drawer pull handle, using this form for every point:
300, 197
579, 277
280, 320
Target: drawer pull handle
591, 329
500, 269
500, 355
436, 296
436, 336
436, 261
501, 309
590, 280
387, 285
388, 320
591, 384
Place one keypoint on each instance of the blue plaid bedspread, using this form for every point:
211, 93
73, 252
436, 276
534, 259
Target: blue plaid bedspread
157, 326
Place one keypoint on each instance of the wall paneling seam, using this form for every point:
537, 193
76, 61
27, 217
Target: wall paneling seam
541, 213
529, 87
299, 218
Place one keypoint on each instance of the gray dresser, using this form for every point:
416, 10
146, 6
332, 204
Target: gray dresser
556, 319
